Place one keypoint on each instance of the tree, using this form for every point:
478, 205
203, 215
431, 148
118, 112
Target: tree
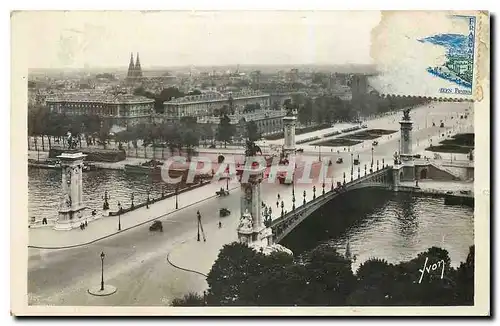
225, 130
252, 131
465, 280
189, 300
230, 273
104, 133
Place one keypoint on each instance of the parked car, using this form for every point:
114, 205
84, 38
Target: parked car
156, 226
340, 160
375, 143
417, 156
356, 161
300, 150
223, 212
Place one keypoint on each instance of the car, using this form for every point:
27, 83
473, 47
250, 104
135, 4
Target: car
375, 143
300, 150
156, 226
356, 161
211, 146
417, 156
223, 212
340, 160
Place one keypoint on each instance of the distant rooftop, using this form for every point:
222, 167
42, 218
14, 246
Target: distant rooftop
216, 97
99, 97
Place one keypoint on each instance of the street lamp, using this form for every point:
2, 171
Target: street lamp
176, 197
227, 182
198, 215
282, 206
372, 161
352, 165
132, 200
314, 192
102, 271
105, 206
304, 197
119, 216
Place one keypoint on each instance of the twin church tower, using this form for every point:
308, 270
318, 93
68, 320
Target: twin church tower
134, 70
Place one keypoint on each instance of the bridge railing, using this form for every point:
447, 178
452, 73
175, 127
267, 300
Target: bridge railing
328, 195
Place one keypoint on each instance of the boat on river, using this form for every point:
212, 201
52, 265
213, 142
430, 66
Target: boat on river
56, 165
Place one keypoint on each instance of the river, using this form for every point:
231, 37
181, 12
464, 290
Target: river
44, 189
387, 225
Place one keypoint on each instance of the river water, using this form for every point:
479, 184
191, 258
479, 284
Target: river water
44, 189
377, 223
387, 225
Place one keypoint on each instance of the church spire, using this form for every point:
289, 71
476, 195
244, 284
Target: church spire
131, 67
138, 70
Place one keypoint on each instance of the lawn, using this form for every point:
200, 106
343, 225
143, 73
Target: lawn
338, 142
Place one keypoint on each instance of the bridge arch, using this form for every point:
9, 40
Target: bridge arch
423, 174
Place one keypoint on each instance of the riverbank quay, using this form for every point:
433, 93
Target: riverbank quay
106, 226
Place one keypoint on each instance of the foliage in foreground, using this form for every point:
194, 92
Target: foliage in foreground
243, 277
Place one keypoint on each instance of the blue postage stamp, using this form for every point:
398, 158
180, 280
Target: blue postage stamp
431, 54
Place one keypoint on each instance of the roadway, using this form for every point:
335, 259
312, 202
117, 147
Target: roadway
136, 259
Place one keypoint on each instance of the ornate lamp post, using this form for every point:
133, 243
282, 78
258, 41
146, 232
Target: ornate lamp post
371, 166
198, 215
359, 172
119, 216
377, 165
323, 185
344, 178
365, 170
102, 271
105, 205
304, 197
383, 163
293, 195
352, 166
177, 197
314, 192
282, 206
227, 182
132, 200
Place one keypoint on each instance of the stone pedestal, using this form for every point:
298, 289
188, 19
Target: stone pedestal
251, 229
71, 209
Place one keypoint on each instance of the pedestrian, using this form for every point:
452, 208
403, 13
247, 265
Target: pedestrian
86, 223
81, 226
220, 224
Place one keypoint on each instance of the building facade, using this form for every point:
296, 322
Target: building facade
206, 104
122, 110
268, 122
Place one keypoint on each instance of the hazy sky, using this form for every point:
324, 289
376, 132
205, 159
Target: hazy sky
99, 39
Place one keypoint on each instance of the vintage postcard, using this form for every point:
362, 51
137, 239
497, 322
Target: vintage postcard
250, 163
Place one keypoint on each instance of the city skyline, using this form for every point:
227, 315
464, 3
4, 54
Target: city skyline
180, 38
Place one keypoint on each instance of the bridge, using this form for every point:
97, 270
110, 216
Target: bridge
387, 177
378, 178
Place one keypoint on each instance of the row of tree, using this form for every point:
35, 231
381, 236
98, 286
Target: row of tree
176, 135
329, 109
242, 276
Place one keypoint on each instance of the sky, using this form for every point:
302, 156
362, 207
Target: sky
106, 38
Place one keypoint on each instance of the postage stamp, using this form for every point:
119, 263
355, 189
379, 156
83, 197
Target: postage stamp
431, 54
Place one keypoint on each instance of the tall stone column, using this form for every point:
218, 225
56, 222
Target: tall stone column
406, 152
71, 208
289, 122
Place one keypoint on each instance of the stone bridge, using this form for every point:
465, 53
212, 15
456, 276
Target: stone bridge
380, 178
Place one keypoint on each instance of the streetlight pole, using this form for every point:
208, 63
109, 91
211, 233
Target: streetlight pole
371, 168
199, 221
119, 216
102, 271
176, 197
352, 165
227, 182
